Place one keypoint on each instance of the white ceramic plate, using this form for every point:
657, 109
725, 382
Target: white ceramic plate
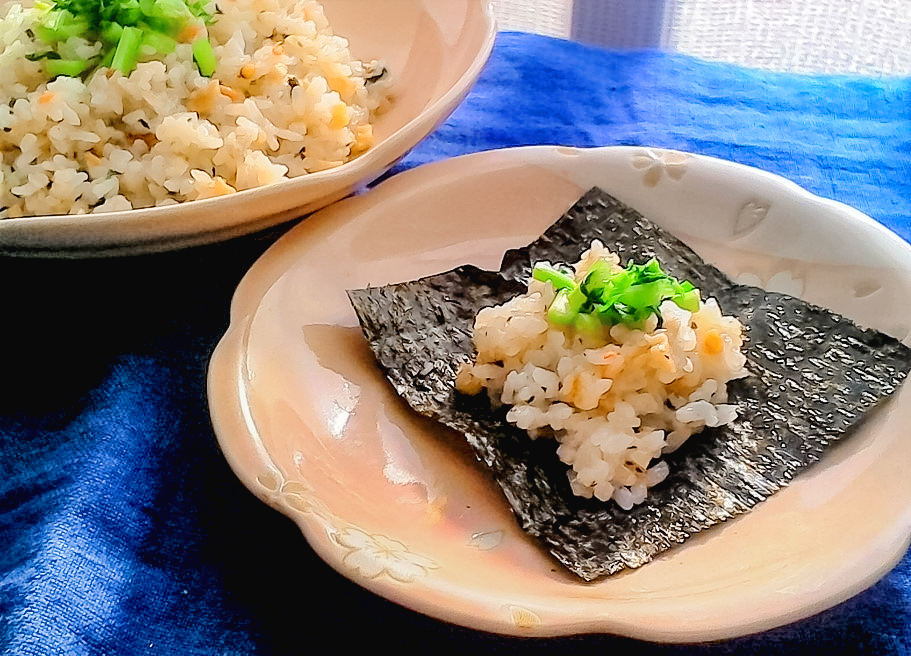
435, 48
398, 504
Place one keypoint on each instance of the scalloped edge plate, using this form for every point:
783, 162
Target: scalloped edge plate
397, 503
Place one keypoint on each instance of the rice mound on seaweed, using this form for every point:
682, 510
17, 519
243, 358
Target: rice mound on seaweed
616, 396
814, 377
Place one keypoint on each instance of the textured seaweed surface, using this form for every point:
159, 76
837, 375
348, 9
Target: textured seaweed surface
814, 377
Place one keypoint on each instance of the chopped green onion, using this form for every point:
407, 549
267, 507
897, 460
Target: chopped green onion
127, 52
599, 278
107, 59
66, 67
127, 30
159, 42
204, 54
688, 300
128, 12
588, 324
566, 306
60, 26
546, 273
111, 32
609, 296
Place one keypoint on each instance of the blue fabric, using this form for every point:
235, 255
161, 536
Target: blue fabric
122, 529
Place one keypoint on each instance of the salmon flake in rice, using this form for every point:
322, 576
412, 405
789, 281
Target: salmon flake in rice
616, 396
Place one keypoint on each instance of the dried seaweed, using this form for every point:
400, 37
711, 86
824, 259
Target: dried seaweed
814, 377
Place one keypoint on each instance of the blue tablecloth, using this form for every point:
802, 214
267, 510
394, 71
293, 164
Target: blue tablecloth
122, 529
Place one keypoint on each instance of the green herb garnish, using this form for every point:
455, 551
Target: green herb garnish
628, 296
126, 30
204, 54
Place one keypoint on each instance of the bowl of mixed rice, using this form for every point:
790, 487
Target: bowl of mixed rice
156, 125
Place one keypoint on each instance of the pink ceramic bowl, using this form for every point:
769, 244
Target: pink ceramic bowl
435, 49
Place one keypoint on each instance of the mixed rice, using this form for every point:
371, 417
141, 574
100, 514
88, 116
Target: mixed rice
617, 398
286, 99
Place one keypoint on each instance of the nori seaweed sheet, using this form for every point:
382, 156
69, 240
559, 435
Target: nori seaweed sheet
814, 377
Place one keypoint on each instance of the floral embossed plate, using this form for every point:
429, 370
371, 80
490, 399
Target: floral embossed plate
397, 503
435, 50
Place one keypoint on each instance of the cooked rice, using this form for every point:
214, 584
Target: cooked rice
286, 99
616, 402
